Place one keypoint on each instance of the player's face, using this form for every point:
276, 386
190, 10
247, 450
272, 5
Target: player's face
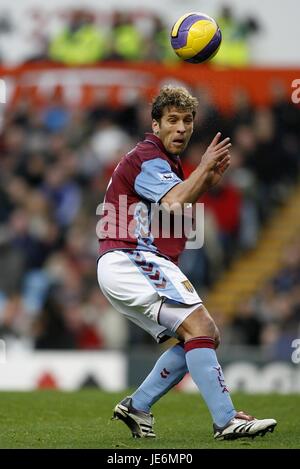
174, 129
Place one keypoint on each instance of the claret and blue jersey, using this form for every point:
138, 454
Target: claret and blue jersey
143, 177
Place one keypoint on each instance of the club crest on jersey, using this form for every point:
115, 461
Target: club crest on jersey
188, 286
166, 176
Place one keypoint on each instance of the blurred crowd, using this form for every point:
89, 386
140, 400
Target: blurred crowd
83, 36
271, 318
55, 163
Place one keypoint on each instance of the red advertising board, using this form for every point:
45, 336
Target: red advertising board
119, 81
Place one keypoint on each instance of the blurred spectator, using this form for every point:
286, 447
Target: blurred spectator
6, 27
85, 334
14, 321
247, 325
109, 323
224, 201
25, 241
63, 194
288, 276
203, 266
207, 119
234, 50
159, 47
81, 41
50, 329
12, 265
242, 110
245, 181
56, 116
286, 114
109, 140
127, 43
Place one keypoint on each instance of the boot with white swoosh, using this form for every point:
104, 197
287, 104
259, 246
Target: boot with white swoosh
243, 426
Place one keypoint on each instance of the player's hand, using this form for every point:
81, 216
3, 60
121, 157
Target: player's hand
216, 159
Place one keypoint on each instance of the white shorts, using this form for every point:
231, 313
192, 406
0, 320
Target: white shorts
138, 283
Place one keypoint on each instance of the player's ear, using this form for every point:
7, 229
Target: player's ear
155, 126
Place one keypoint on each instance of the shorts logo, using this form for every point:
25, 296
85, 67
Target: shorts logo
188, 286
166, 176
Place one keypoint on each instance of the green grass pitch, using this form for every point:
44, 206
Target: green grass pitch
54, 419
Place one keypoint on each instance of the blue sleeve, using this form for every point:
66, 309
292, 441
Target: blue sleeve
155, 180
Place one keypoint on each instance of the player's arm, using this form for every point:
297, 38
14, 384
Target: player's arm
211, 168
